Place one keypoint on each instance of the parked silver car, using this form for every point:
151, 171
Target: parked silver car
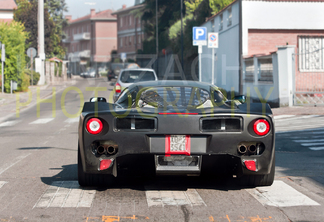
130, 76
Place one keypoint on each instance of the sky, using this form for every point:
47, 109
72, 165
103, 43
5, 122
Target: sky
79, 8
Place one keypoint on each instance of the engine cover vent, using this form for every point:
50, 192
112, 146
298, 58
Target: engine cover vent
135, 124
221, 124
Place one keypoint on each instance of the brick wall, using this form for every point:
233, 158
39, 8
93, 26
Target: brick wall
265, 41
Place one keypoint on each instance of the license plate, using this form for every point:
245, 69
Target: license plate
177, 144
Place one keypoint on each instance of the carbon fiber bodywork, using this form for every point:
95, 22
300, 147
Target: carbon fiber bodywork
142, 149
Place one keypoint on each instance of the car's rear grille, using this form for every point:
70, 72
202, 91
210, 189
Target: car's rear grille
222, 124
136, 124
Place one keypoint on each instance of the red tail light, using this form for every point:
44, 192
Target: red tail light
118, 88
261, 127
94, 126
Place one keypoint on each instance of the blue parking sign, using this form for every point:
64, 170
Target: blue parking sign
199, 35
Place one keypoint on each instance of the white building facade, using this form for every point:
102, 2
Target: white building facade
251, 32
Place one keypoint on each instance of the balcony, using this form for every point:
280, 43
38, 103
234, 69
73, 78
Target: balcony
66, 40
82, 36
84, 54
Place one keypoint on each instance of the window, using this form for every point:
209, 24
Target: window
121, 21
249, 70
266, 69
139, 39
121, 42
220, 22
229, 19
310, 53
130, 40
130, 20
212, 25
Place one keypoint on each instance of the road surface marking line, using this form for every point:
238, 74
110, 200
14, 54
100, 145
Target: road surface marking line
181, 198
282, 116
281, 194
316, 148
72, 120
195, 198
73, 197
173, 198
10, 123
16, 160
153, 198
87, 198
312, 144
65, 194
308, 141
48, 195
42, 121
2, 183
61, 195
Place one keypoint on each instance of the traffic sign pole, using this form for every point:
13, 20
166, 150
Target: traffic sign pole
213, 66
213, 43
199, 39
199, 52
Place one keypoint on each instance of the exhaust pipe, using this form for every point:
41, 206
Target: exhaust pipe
252, 148
101, 150
111, 150
241, 149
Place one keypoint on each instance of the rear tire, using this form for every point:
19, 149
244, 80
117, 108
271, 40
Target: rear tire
90, 180
259, 180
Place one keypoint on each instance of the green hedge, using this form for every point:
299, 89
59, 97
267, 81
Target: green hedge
36, 77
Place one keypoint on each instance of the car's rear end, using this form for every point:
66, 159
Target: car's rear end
129, 76
172, 140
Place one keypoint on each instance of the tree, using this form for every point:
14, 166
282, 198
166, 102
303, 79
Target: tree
168, 14
14, 38
56, 8
26, 13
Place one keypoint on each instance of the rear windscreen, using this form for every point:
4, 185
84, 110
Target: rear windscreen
136, 76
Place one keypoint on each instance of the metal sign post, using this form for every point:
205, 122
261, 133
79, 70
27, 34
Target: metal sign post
31, 52
213, 43
199, 38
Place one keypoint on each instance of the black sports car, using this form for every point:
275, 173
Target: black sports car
175, 128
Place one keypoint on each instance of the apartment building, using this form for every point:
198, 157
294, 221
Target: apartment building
90, 40
130, 29
6, 10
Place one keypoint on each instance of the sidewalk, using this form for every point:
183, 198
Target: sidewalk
299, 110
9, 102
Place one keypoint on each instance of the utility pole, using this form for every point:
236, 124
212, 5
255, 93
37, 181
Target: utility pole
157, 35
41, 47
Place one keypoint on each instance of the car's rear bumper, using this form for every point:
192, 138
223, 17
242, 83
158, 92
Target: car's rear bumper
211, 147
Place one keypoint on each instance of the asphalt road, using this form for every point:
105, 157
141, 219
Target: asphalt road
38, 175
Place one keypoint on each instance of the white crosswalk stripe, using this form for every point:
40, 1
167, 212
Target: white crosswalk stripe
42, 121
169, 197
9, 123
2, 183
281, 194
66, 194
72, 120
310, 138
